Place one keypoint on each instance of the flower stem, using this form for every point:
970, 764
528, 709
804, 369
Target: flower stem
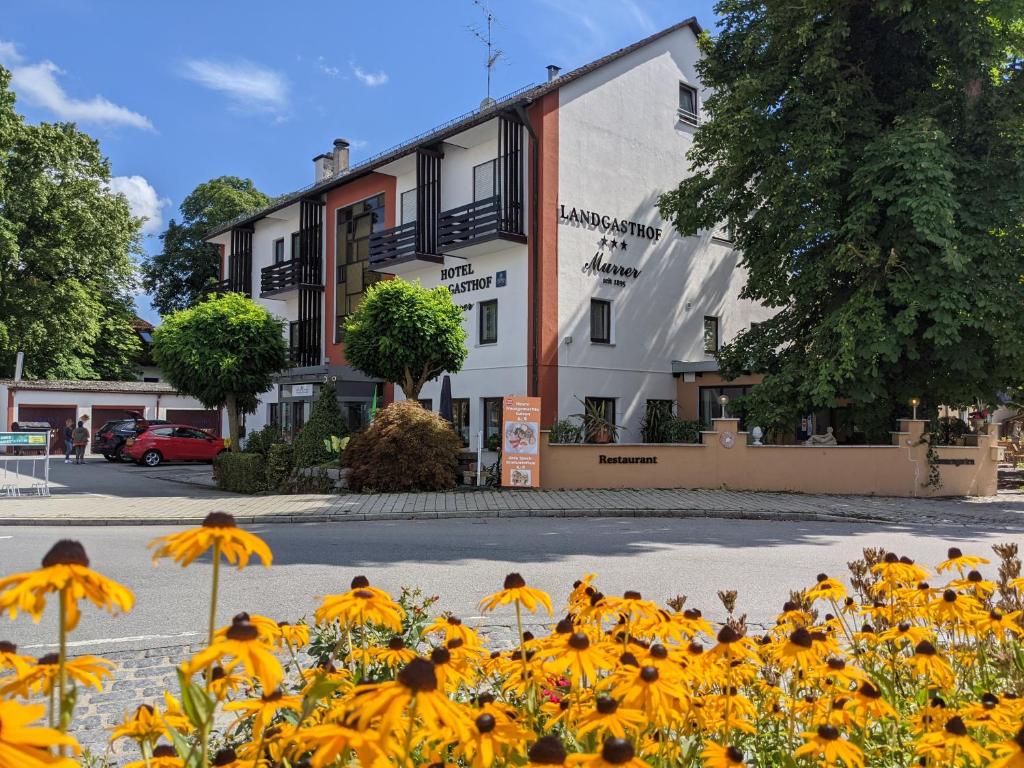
62, 663
213, 593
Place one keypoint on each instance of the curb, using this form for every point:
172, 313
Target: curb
270, 519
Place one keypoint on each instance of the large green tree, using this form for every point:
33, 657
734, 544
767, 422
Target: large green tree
224, 352
406, 334
180, 275
869, 157
66, 245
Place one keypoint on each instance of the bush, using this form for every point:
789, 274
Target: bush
683, 430
262, 440
324, 422
655, 425
280, 461
565, 431
240, 472
405, 448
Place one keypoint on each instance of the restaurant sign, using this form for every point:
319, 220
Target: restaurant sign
520, 456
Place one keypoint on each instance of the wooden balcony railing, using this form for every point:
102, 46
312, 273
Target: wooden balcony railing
480, 220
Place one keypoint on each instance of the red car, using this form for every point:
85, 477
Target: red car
171, 442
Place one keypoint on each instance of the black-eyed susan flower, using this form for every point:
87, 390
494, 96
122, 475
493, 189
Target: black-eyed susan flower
547, 750
826, 588
798, 650
42, 677
579, 659
65, 570
608, 718
362, 604
143, 726
927, 662
164, 756
950, 743
721, 756
958, 560
1010, 753
489, 740
226, 757
10, 659
224, 682
293, 636
1001, 626
453, 629
242, 646
329, 741
23, 745
954, 608
395, 654
219, 533
826, 746
658, 696
265, 708
905, 632
899, 570
515, 592
614, 752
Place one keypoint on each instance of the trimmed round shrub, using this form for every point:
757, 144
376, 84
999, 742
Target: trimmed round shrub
405, 448
262, 440
325, 422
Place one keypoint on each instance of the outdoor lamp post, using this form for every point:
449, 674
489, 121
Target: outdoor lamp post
723, 400
914, 402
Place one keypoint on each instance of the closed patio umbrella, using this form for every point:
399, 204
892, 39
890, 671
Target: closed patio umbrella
444, 409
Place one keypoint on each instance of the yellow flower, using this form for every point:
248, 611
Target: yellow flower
608, 718
295, 636
263, 709
362, 604
217, 531
955, 609
1002, 626
614, 752
798, 650
243, 645
827, 747
22, 746
164, 756
826, 589
223, 682
960, 561
1011, 752
488, 740
453, 629
41, 678
952, 742
899, 570
65, 570
329, 741
926, 662
547, 750
516, 592
395, 654
143, 726
718, 756
646, 689
11, 659
579, 658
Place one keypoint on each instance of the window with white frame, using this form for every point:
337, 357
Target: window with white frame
485, 180
409, 206
489, 321
687, 103
279, 250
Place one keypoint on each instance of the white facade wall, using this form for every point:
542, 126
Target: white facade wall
621, 144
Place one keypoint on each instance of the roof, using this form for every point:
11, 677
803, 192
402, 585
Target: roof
523, 96
91, 385
142, 325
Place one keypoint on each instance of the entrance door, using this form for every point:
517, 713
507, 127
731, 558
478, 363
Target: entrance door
54, 415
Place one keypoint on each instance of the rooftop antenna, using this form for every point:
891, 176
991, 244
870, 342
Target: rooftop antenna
493, 54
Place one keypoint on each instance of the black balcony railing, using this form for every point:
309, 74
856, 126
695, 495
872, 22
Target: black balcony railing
480, 220
303, 356
289, 274
397, 245
232, 284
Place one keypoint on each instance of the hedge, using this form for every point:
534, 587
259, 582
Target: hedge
240, 472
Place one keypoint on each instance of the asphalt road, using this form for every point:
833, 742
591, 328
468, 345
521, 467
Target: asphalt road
463, 560
99, 477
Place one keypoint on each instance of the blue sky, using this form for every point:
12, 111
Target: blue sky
179, 93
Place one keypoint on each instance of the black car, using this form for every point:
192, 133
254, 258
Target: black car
110, 438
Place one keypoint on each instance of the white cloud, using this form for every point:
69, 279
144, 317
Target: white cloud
369, 79
249, 85
37, 85
325, 68
143, 201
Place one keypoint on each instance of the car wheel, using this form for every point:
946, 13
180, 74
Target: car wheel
110, 457
152, 458
121, 454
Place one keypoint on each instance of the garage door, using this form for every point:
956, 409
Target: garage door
208, 421
54, 415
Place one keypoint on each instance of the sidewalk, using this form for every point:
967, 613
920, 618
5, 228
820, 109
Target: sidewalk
190, 506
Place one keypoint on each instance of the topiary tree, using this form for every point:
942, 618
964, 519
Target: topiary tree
405, 448
324, 422
223, 352
406, 334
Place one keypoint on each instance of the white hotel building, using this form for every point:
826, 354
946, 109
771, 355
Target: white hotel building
539, 213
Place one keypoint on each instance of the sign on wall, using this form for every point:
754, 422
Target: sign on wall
37, 439
520, 455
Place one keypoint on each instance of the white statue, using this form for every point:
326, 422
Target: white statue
827, 439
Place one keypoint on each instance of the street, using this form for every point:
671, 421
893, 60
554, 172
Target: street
463, 560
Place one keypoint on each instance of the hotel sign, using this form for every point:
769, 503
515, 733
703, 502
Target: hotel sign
613, 239
604, 222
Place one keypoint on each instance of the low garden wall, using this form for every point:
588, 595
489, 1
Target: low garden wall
725, 459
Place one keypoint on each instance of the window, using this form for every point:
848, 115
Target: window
600, 321
460, 418
295, 245
274, 414
709, 407
293, 334
687, 103
151, 379
489, 322
604, 408
724, 233
426, 403
279, 250
493, 407
710, 335
353, 227
161, 431
189, 433
485, 180
146, 337
409, 206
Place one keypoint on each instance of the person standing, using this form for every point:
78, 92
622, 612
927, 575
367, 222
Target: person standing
69, 443
80, 438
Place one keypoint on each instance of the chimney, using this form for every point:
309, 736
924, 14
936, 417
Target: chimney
553, 72
340, 156
323, 167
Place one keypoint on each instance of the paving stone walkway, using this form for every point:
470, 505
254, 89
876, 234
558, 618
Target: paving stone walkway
1005, 511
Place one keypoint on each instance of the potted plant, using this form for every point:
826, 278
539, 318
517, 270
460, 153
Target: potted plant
494, 443
595, 425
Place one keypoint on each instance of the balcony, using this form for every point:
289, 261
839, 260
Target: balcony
303, 356
232, 284
395, 250
480, 227
288, 276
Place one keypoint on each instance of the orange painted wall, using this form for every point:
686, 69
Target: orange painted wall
544, 118
340, 197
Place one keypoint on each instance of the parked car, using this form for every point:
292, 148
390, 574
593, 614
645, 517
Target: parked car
171, 442
110, 438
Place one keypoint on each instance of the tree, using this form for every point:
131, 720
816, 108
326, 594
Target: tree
406, 334
224, 352
66, 245
868, 157
180, 275
325, 422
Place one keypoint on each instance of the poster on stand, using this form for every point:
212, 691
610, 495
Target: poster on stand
520, 442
